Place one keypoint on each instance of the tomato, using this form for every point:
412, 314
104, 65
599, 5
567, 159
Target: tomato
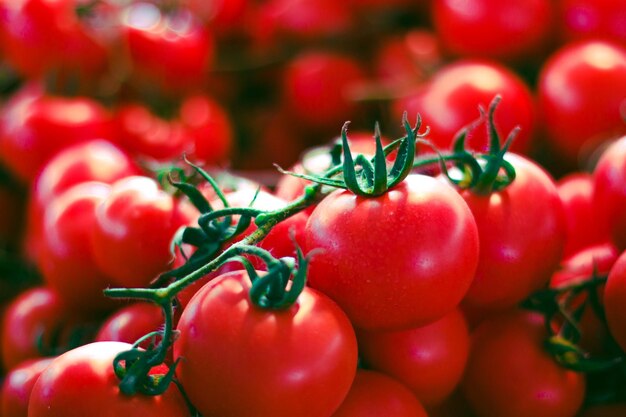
501, 30
579, 268
614, 296
609, 195
225, 17
315, 89
374, 394
131, 322
510, 374
592, 19
82, 382
67, 260
522, 233
399, 260
581, 92
450, 100
93, 160
429, 360
583, 229
36, 128
36, 313
298, 361
136, 221
173, 51
210, 128
18, 385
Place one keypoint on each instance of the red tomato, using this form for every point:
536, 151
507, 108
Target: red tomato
82, 383
502, 30
429, 360
224, 16
67, 260
130, 323
510, 374
275, 358
614, 296
399, 260
37, 312
210, 129
374, 394
93, 160
174, 51
450, 101
579, 268
522, 234
315, 89
609, 195
583, 228
133, 230
18, 385
592, 19
581, 92
36, 128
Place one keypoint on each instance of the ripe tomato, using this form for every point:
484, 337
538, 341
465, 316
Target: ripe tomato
35, 128
82, 383
399, 260
36, 313
522, 234
67, 261
18, 385
93, 160
502, 30
172, 50
131, 322
583, 228
592, 19
374, 394
315, 89
510, 374
614, 296
581, 92
137, 221
428, 360
609, 195
451, 98
272, 361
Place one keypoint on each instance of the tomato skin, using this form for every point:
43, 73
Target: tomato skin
583, 225
609, 195
502, 30
510, 374
131, 322
67, 261
614, 296
374, 394
81, 382
592, 19
521, 238
93, 160
450, 100
314, 89
18, 385
252, 371
399, 260
33, 312
136, 221
40, 126
581, 92
429, 360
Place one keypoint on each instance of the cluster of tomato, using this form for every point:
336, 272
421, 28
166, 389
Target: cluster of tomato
472, 267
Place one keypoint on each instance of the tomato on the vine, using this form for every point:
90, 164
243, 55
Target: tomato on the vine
402, 259
82, 382
510, 374
239, 359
